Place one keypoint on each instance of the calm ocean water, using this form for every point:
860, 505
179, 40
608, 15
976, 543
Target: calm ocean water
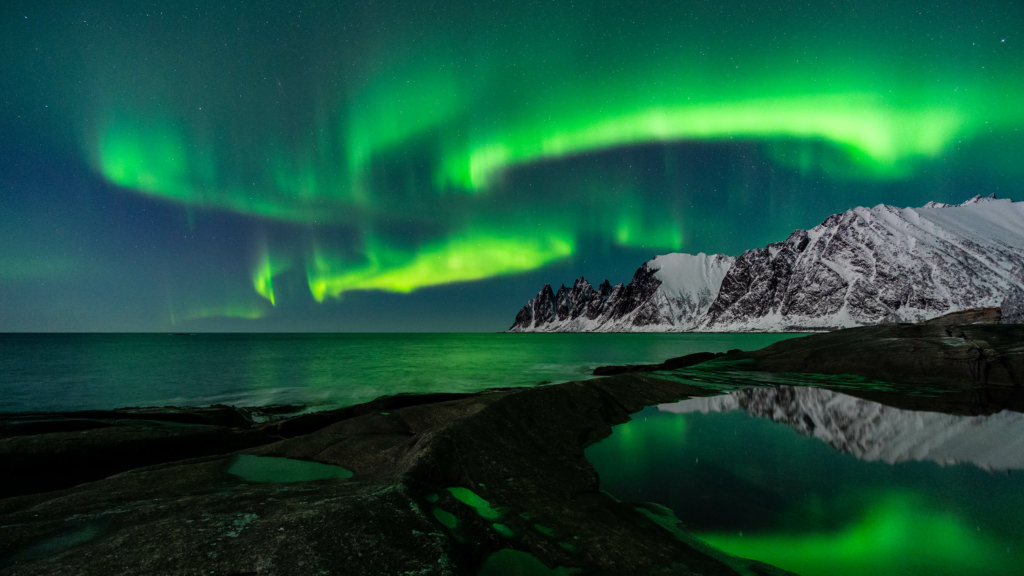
102, 371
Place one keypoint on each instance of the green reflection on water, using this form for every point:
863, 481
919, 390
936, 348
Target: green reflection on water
446, 518
270, 469
900, 535
55, 544
503, 530
757, 489
470, 498
544, 530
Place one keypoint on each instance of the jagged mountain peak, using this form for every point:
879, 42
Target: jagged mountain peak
978, 198
670, 292
581, 283
858, 267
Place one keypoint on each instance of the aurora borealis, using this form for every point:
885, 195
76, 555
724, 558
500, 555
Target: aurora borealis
422, 166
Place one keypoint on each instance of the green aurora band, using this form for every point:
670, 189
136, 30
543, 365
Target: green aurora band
341, 120
264, 271
458, 259
883, 140
263, 279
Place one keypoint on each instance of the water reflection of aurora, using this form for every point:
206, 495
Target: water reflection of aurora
757, 489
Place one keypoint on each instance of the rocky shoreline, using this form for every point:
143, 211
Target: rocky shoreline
516, 457
487, 483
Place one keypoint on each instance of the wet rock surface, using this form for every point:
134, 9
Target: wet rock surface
670, 364
964, 369
930, 353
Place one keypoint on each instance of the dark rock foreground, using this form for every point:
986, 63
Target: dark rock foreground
50, 451
446, 484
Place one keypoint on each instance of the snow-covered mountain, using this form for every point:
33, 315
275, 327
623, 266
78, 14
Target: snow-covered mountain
863, 266
870, 266
872, 431
670, 293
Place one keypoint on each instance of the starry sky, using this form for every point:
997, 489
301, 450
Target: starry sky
427, 166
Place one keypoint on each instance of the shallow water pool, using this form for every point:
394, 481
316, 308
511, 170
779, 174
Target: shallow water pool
821, 483
282, 470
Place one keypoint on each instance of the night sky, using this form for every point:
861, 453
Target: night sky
427, 166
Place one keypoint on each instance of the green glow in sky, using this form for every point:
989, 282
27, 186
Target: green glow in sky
470, 106
155, 157
633, 230
263, 279
264, 272
884, 139
898, 535
238, 311
152, 159
457, 259
380, 145
425, 122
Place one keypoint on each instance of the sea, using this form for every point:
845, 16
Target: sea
66, 372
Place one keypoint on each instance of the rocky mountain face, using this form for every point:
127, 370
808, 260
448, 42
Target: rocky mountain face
871, 266
861, 267
875, 432
1013, 308
669, 293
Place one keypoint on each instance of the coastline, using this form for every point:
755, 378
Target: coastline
441, 484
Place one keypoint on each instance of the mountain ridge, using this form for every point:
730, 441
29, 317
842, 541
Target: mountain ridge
860, 267
673, 290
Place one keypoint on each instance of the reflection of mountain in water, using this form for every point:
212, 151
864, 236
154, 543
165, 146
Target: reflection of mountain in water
872, 431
